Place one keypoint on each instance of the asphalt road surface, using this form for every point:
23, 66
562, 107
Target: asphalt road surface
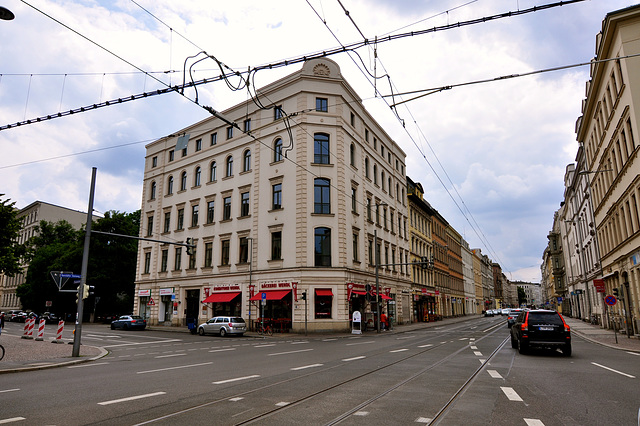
462, 373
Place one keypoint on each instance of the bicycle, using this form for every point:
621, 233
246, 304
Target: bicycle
265, 329
1, 352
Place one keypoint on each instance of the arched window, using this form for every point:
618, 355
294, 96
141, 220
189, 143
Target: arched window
196, 178
170, 185
322, 246
277, 150
352, 155
213, 172
322, 196
153, 191
321, 148
366, 167
183, 181
229, 166
246, 161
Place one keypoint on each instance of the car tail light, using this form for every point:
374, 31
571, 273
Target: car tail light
525, 324
566, 326
230, 325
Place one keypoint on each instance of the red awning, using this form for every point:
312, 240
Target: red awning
271, 294
324, 292
384, 296
359, 293
221, 297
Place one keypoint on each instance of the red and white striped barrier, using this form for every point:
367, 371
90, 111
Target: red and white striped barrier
25, 335
32, 324
60, 330
40, 330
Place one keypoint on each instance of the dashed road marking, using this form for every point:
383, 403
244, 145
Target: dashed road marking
511, 394
235, 379
494, 374
533, 422
131, 398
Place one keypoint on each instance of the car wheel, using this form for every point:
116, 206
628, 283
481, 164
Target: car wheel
522, 347
566, 349
223, 332
201, 331
514, 343
113, 327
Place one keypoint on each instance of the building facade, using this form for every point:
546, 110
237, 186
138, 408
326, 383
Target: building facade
303, 199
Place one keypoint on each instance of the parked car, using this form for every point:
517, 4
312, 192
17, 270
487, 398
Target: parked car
488, 313
511, 318
541, 328
50, 318
223, 326
129, 322
13, 315
505, 311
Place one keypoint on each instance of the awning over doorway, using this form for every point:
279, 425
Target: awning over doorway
384, 296
324, 292
271, 295
359, 293
221, 297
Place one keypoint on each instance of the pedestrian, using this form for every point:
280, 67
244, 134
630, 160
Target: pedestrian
1, 321
383, 321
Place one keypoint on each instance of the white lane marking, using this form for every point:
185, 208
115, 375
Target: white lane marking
475, 348
533, 422
482, 361
11, 420
131, 398
425, 346
236, 399
289, 352
282, 404
615, 371
306, 366
9, 390
423, 420
168, 356
477, 353
361, 413
174, 368
360, 343
355, 358
88, 365
264, 346
328, 340
298, 343
398, 350
633, 353
494, 374
140, 343
472, 338
511, 394
463, 338
222, 382
223, 350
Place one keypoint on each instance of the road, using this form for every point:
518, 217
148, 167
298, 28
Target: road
462, 373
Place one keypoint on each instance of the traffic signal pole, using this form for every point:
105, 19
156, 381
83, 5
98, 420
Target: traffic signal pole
83, 274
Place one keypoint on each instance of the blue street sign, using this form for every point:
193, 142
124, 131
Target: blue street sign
70, 276
264, 296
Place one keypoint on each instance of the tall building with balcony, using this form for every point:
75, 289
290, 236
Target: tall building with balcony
302, 198
608, 132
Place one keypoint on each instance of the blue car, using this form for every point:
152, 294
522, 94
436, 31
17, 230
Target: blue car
129, 322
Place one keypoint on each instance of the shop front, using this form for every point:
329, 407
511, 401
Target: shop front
144, 303
166, 308
225, 300
425, 303
273, 303
363, 298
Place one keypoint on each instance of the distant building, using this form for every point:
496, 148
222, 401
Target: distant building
31, 217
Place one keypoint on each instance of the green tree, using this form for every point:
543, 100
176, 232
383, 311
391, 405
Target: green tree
522, 296
11, 252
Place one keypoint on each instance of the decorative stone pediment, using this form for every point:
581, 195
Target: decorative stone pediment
321, 70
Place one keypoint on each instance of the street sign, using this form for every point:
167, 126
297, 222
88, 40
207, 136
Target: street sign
610, 300
151, 302
264, 296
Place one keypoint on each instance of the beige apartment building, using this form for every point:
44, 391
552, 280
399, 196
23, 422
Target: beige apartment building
31, 217
608, 132
289, 212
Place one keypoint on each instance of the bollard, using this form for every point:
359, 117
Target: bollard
58, 338
26, 329
40, 331
32, 324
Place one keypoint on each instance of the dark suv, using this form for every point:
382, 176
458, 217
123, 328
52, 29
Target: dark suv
541, 328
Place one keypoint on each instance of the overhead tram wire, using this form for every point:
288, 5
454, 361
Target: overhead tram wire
279, 64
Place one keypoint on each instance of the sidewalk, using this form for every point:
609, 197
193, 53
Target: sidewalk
27, 354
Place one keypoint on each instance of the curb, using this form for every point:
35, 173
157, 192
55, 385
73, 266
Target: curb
103, 353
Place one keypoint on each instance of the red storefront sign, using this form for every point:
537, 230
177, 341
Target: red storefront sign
599, 285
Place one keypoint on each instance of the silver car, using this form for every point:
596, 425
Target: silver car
223, 326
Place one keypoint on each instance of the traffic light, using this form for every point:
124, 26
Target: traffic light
85, 291
304, 295
189, 246
425, 262
615, 292
91, 290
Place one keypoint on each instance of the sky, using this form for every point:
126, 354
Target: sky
490, 156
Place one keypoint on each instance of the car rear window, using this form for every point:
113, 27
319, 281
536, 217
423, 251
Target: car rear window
545, 318
136, 317
237, 319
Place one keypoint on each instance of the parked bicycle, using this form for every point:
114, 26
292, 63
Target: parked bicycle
1, 352
264, 329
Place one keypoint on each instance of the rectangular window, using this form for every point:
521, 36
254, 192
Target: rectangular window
192, 259
165, 260
154, 161
247, 125
277, 196
167, 221
353, 119
391, 220
214, 138
277, 112
244, 250
194, 215
355, 247
322, 196
180, 224
198, 145
322, 247
171, 155
369, 209
184, 152
244, 204
208, 255
178, 259
322, 104
229, 132
226, 211
147, 262
321, 148
210, 211
366, 135
323, 304
370, 252
354, 200
276, 245
224, 252
149, 226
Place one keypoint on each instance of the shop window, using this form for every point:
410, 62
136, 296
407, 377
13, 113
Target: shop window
323, 303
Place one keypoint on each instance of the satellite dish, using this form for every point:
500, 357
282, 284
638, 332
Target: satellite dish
6, 14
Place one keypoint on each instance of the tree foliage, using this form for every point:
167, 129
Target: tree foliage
111, 267
522, 296
11, 252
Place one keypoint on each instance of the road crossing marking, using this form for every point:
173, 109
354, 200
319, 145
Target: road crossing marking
494, 374
533, 422
475, 348
306, 366
615, 371
511, 394
131, 398
222, 382
477, 353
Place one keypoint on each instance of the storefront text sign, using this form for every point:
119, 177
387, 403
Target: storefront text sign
143, 293
232, 287
166, 291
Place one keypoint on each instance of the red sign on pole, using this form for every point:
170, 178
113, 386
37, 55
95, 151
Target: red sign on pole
599, 285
